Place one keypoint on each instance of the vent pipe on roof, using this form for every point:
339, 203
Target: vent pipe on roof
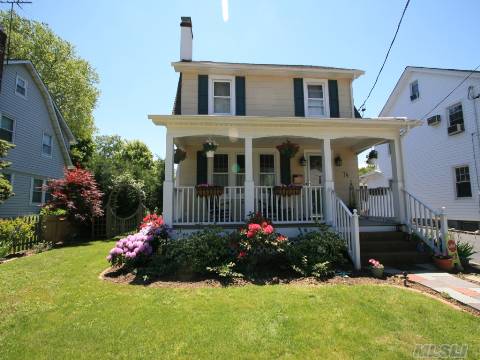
186, 39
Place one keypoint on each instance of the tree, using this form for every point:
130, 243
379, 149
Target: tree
365, 170
6, 190
71, 80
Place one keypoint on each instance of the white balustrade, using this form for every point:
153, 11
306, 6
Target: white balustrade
377, 202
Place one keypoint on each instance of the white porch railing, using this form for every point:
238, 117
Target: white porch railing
190, 209
431, 226
306, 207
345, 223
376, 202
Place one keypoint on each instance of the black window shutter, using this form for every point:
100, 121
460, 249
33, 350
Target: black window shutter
202, 94
240, 95
285, 172
298, 97
202, 176
333, 98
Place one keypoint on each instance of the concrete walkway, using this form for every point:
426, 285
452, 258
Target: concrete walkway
466, 292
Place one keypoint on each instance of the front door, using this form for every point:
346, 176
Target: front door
315, 178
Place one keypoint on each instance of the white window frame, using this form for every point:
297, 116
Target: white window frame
51, 146
276, 167
32, 181
326, 102
222, 173
221, 78
2, 114
17, 78
455, 182
411, 90
459, 102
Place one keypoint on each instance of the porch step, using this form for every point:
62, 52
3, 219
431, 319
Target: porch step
390, 248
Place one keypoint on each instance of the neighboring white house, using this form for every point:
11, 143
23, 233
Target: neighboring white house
30, 120
248, 110
441, 157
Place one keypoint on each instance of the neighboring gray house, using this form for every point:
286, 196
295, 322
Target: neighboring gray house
31, 121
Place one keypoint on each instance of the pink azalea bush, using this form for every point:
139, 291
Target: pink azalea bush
137, 248
375, 264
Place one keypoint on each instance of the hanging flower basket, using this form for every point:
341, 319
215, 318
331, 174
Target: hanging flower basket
288, 149
287, 190
209, 148
179, 155
372, 157
205, 190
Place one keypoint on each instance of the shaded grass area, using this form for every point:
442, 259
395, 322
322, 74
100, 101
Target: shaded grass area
52, 305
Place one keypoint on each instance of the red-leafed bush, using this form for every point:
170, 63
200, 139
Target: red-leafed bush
77, 193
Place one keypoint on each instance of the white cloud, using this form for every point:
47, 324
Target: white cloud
225, 10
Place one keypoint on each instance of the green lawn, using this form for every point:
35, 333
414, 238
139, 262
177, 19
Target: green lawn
53, 306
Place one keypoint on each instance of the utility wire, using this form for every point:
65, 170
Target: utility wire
362, 107
451, 92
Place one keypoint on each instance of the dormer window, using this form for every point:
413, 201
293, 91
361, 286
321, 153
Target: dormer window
222, 97
21, 86
414, 91
316, 104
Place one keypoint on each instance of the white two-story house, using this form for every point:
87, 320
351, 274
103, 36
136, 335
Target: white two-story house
31, 121
249, 111
442, 156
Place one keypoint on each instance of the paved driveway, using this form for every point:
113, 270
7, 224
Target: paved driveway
473, 239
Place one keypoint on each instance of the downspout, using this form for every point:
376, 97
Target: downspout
473, 97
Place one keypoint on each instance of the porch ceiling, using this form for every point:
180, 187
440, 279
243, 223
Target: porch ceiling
357, 144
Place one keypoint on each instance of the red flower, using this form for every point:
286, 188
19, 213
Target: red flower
242, 254
268, 229
281, 238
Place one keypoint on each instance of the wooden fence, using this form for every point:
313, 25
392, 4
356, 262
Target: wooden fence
28, 243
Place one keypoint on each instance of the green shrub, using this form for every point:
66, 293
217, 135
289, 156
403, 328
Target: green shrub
465, 251
13, 231
316, 253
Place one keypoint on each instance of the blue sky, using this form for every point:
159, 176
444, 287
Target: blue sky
132, 43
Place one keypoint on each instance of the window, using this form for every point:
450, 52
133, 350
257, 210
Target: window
37, 191
315, 94
455, 114
462, 179
414, 92
21, 86
222, 97
240, 170
220, 169
267, 170
6, 129
47, 145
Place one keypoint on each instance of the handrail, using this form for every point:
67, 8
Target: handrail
346, 224
429, 225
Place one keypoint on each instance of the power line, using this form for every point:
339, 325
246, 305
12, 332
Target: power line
451, 92
362, 107
12, 2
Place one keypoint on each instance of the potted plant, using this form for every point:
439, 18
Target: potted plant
443, 262
179, 155
376, 268
372, 157
465, 252
288, 149
209, 148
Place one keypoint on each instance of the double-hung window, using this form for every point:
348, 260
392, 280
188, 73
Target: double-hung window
222, 95
240, 170
37, 191
414, 90
462, 182
267, 170
315, 93
455, 114
20, 86
220, 169
6, 129
47, 142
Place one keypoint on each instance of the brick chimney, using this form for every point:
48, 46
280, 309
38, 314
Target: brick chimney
186, 37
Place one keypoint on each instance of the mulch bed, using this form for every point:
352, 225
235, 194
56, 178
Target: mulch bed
119, 276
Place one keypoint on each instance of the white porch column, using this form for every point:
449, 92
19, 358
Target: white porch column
328, 182
398, 179
249, 184
168, 183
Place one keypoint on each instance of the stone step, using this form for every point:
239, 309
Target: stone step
393, 258
386, 245
383, 236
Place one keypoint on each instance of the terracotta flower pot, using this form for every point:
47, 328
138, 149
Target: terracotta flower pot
377, 272
445, 264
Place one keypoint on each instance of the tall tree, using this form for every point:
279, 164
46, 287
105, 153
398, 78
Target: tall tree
71, 80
